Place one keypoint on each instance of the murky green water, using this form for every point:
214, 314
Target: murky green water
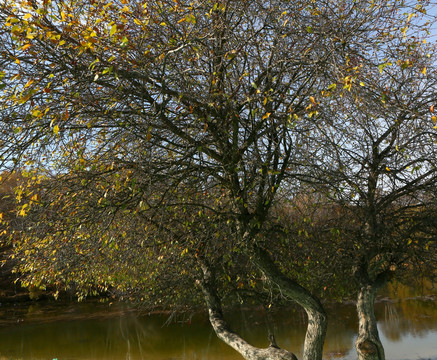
98, 331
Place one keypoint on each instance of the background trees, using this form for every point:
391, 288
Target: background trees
146, 128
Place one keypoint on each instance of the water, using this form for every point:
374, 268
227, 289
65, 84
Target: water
93, 330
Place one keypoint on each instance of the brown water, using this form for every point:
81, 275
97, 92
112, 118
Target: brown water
93, 330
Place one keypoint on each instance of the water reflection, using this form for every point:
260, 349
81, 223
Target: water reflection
96, 331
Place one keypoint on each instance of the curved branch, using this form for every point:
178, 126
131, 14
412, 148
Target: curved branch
225, 333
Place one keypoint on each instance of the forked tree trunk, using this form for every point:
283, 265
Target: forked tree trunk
368, 343
224, 332
317, 319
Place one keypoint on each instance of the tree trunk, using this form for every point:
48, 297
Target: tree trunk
317, 319
368, 344
315, 334
224, 332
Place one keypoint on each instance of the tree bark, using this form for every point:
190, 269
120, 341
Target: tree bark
368, 343
315, 334
317, 319
224, 332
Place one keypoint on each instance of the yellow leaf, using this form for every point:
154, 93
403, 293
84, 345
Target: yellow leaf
312, 99
192, 19
113, 30
37, 113
424, 71
387, 168
434, 119
27, 16
56, 129
26, 46
266, 116
30, 82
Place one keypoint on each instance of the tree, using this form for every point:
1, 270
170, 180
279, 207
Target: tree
135, 109
377, 161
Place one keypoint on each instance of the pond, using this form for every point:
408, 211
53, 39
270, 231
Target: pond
93, 330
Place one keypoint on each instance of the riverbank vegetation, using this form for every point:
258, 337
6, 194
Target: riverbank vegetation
178, 154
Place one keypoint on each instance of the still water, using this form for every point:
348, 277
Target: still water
98, 331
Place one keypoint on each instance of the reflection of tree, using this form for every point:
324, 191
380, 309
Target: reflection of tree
416, 317
94, 331
392, 320
342, 330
